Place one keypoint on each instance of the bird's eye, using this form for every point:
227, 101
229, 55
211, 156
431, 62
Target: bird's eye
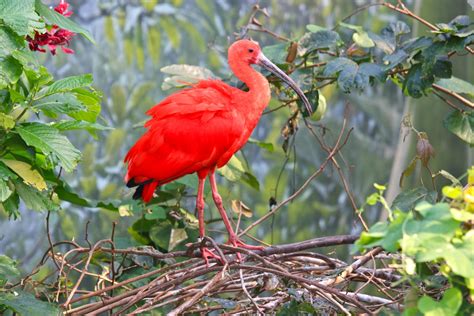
250, 50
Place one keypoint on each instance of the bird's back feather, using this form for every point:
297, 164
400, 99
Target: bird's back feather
192, 130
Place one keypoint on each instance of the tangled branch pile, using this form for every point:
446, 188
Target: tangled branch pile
261, 282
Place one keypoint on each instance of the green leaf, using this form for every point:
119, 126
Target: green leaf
10, 70
60, 103
373, 70
406, 200
6, 121
20, 16
267, 146
457, 85
11, 205
34, 199
448, 306
387, 45
453, 193
461, 124
251, 180
442, 68
459, 255
70, 83
233, 170
322, 107
316, 40
26, 58
313, 98
54, 17
119, 100
428, 238
372, 199
315, 28
5, 191
462, 215
157, 212
349, 75
8, 270
276, 53
65, 193
396, 58
80, 125
48, 140
362, 39
6, 173
416, 83
27, 304
29, 175
91, 100
154, 43
160, 234
9, 41
167, 24
386, 235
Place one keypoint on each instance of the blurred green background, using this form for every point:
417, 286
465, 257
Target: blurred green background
134, 39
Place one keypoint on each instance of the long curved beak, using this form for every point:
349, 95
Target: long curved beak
268, 65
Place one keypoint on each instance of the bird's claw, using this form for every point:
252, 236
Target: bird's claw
236, 242
207, 254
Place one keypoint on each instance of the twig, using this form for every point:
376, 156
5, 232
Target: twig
259, 310
51, 246
187, 304
305, 184
455, 95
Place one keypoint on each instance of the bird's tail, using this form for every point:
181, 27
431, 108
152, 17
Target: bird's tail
144, 189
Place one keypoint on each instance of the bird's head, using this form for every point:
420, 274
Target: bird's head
250, 53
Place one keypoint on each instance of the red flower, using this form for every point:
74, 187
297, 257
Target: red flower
62, 8
55, 36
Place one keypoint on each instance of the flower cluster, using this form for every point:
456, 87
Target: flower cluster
56, 36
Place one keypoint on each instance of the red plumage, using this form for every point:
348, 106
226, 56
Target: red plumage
193, 130
197, 130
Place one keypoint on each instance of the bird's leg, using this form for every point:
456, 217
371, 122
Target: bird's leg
205, 252
233, 238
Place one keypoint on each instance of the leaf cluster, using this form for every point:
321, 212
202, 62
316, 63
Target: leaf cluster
435, 241
37, 112
356, 59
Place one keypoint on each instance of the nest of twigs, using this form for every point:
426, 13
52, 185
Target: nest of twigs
262, 282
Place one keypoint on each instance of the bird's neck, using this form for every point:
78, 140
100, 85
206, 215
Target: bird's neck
259, 89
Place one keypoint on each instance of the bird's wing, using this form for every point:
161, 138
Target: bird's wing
189, 131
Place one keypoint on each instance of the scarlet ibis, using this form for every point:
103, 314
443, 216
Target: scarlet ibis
198, 129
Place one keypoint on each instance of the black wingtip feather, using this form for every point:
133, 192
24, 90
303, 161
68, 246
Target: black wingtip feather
138, 192
132, 183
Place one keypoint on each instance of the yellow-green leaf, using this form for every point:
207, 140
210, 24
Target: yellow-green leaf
362, 39
29, 175
128, 50
119, 100
6, 121
171, 31
109, 29
452, 192
154, 44
149, 5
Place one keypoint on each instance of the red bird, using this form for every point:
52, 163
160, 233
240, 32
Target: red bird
197, 130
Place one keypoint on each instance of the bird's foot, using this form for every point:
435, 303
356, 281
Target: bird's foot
236, 242
207, 254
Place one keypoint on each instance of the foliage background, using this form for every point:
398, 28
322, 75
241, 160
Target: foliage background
137, 38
